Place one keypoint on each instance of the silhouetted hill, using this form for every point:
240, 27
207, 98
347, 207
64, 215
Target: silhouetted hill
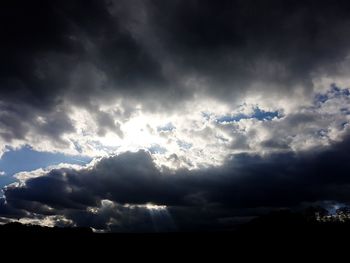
285, 230
278, 230
18, 228
277, 222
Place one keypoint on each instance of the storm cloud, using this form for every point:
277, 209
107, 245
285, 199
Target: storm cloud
196, 112
129, 185
59, 52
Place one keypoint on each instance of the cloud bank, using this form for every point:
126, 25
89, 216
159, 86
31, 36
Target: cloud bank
115, 58
120, 192
191, 109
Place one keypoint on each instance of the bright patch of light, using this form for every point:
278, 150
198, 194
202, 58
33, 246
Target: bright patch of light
193, 136
148, 206
155, 207
47, 221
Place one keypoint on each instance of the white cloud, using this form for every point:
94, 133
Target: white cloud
45, 221
25, 175
197, 139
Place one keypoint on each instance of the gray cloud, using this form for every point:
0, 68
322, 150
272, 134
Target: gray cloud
156, 56
244, 185
236, 43
90, 52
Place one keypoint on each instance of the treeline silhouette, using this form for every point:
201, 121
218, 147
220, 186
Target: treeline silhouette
305, 225
281, 222
282, 230
18, 228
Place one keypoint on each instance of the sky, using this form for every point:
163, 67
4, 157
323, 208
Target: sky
149, 115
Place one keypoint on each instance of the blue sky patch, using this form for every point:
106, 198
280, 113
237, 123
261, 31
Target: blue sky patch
333, 92
157, 149
27, 159
184, 145
167, 127
257, 114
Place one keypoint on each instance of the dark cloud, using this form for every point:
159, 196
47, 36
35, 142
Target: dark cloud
45, 45
234, 43
17, 121
44, 42
231, 44
243, 186
157, 54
